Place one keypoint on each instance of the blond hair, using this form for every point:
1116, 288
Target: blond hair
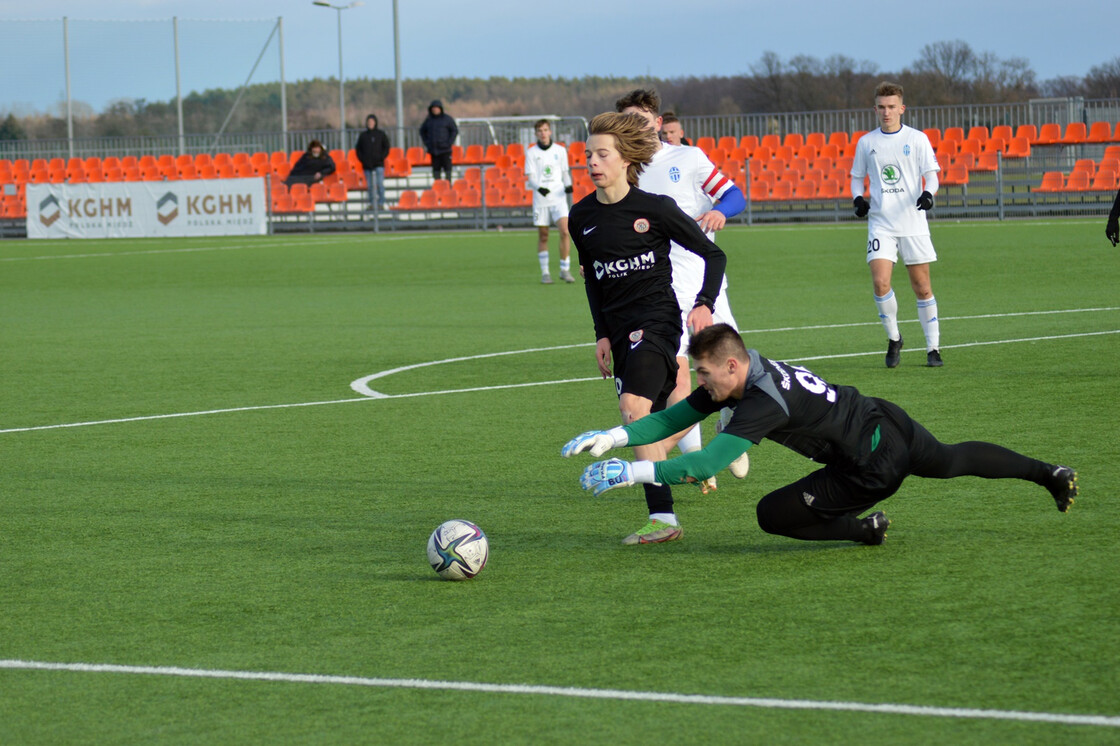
633, 138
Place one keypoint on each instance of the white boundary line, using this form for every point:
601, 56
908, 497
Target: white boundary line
562, 691
360, 384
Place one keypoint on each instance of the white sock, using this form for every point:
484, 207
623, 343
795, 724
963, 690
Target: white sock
927, 314
888, 314
565, 264
670, 518
691, 440
543, 258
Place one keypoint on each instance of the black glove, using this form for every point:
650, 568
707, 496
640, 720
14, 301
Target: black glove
1112, 230
862, 206
543, 191
568, 189
925, 202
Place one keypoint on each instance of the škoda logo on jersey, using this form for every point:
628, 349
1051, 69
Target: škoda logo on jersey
623, 267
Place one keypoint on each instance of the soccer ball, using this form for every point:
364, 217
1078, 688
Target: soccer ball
458, 550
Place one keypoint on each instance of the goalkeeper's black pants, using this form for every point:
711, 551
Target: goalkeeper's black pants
826, 504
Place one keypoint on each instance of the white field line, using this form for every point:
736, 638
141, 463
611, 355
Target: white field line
577, 692
361, 385
195, 249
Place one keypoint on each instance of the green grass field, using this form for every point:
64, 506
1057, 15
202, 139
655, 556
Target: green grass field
189, 481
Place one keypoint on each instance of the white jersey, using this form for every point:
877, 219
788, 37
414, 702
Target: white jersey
894, 164
548, 168
684, 173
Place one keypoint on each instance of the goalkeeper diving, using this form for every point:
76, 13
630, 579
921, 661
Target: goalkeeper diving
867, 446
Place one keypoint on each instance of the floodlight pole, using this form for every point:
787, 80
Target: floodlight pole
397, 71
341, 88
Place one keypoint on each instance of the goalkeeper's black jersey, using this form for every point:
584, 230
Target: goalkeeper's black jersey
624, 251
790, 405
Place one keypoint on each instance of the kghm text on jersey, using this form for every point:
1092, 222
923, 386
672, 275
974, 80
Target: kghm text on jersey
623, 267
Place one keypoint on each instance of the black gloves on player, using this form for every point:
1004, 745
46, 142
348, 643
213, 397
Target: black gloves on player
862, 206
543, 191
925, 202
1112, 230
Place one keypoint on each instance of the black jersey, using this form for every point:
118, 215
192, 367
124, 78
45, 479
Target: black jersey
624, 251
790, 405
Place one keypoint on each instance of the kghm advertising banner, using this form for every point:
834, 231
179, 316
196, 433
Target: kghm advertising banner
145, 209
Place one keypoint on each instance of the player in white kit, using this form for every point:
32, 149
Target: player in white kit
897, 159
548, 178
687, 175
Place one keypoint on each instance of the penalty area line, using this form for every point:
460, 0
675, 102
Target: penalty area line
360, 386
576, 692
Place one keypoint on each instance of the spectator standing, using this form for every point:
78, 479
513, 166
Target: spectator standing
372, 148
439, 133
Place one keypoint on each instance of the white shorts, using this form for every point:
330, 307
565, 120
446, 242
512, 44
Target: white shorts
912, 249
546, 215
721, 314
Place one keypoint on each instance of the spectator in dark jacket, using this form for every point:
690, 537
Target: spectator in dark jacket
438, 133
312, 166
372, 148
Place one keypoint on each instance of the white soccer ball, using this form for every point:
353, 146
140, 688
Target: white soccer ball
458, 550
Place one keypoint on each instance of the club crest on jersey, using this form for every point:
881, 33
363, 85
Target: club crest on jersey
636, 337
641, 225
674, 174
906, 150
891, 174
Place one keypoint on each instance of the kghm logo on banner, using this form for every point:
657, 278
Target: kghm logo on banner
49, 211
167, 208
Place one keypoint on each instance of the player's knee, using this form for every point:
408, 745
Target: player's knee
769, 517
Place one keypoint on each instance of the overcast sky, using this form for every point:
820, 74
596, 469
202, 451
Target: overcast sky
441, 38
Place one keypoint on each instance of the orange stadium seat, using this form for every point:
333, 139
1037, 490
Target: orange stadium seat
816, 139
955, 175
1106, 181
830, 189
1048, 134
839, 139
807, 151
1052, 181
953, 133
707, 144
1079, 181
577, 153
728, 143
1018, 147
493, 153
1099, 132
1003, 131
971, 146
988, 161
782, 190
770, 141
428, 200
1028, 131
473, 154
749, 143
933, 134
408, 201
1076, 133
794, 140
978, 132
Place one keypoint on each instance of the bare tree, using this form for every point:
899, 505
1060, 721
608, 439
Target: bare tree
1103, 81
769, 74
949, 65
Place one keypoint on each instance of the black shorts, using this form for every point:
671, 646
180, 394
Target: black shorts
855, 486
645, 364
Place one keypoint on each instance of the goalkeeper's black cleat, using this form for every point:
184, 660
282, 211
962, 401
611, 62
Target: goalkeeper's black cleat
894, 352
875, 528
1063, 486
933, 359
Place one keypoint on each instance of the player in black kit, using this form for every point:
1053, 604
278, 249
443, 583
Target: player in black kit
868, 446
622, 235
